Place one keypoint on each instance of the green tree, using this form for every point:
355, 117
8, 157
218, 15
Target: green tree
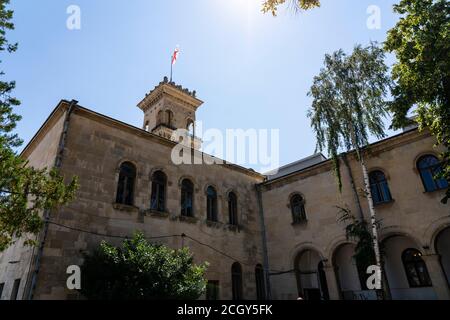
140, 270
272, 5
421, 43
348, 106
24, 191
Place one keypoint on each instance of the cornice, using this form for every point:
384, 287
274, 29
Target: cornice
170, 89
51, 120
375, 148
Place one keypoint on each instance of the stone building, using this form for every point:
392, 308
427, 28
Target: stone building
242, 222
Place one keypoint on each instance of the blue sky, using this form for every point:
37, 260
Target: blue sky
252, 70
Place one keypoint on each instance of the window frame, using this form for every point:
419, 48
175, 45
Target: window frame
159, 191
233, 218
211, 204
237, 287
187, 190
125, 190
215, 294
260, 283
2, 287
424, 283
15, 289
298, 218
430, 171
383, 190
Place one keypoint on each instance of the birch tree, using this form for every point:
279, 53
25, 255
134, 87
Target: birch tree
348, 107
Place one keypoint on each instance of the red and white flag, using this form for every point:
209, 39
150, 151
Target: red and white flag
175, 55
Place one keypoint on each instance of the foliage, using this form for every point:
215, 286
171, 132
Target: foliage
349, 101
24, 191
357, 230
272, 5
421, 43
141, 271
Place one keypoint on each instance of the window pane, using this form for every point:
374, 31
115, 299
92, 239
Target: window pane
232, 208
236, 281
386, 194
375, 194
298, 209
428, 180
187, 192
125, 187
212, 290
260, 284
15, 289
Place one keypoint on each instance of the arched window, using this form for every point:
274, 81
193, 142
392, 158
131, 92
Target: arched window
379, 187
260, 284
232, 209
125, 187
159, 118
298, 209
190, 127
236, 281
211, 204
187, 196
429, 166
158, 198
169, 118
415, 268
146, 128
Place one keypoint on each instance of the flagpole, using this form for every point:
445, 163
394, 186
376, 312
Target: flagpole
171, 68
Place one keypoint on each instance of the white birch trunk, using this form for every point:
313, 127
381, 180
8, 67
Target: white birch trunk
373, 222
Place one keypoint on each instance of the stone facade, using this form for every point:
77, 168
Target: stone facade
93, 147
412, 219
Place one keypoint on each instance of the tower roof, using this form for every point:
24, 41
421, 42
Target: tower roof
172, 90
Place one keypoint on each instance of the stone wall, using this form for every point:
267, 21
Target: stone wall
95, 149
413, 213
40, 153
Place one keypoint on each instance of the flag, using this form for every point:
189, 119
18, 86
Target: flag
175, 55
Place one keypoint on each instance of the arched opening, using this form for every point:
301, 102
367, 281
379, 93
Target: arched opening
297, 204
429, 167
159, 118
236, 281
260, 283
211, 204
443, 249
190, 127
349, 274
311, 280
169, 118
159, 185
379, 187
405, 269
232, 209
146, 126
187, 198
125, 186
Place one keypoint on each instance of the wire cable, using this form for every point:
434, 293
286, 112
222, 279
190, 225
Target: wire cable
183, 235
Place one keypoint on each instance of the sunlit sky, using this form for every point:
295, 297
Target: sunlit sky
251, 69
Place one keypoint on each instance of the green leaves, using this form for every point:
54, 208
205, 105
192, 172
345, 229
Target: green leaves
421, 43
141, 271
349, 101
24, 192
272, 5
